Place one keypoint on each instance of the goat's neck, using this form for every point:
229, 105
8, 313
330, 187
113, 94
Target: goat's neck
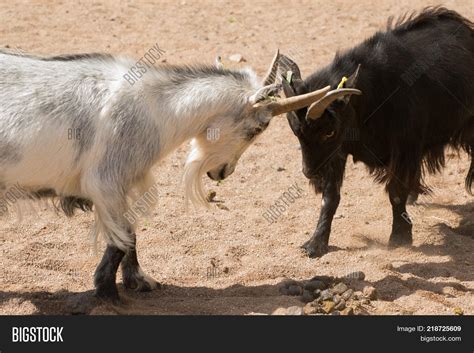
190, 111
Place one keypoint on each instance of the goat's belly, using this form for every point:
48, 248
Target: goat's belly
44, 165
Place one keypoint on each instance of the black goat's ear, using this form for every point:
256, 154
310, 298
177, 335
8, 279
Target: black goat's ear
352, 80
350, 83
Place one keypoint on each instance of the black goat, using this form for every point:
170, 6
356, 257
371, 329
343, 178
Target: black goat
417, 80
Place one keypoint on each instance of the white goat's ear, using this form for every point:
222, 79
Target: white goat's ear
267, 92
218, 63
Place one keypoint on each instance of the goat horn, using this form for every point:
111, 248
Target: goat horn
317, 109
270, 77
297, 102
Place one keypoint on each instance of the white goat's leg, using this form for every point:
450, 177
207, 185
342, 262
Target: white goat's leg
133, 276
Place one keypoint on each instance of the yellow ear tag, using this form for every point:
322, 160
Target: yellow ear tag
343, 81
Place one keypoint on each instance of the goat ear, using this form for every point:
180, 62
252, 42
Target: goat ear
264, 93
218, 63
350, 83
285, 64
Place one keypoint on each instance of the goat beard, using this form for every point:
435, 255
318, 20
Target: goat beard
194, 192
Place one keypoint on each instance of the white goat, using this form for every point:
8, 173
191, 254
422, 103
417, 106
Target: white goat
74, 128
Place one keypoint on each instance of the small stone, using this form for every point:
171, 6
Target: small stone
458, 311
336, 313
237, 58
357, 275
327, 306
313, 285
347, 294
222, 207
280, 169
347, 311
294, 310
357, 295
307, 296
211, 195
341, 305
336, 299
326, 294
365, 301
370, 293
295, 290
310, 309
317, 293
326, 279
339, 288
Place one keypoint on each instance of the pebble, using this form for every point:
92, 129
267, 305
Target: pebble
211, 195
341, 305
313, 285
327, 306
294, 310
317, 293
326, 294
237, 58
310, 309
336, 299
357, 295
347, 311
370, 293
307, 296
358, 275
347, 294
339, 288
295, 290
336, 313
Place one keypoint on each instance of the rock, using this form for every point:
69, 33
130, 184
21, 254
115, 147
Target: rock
326, 294
358, 275
295, 290
280, 169
336, 299
357, 295
317, 293
307, 296
294, 310
458, 311
370, 293
237, 58
341, 305
347, 311
310, 309
347, 294
339, 288
211, 195
336, 313
327, 306
313, 285
222, 207
365, 301
326, 279
279, 311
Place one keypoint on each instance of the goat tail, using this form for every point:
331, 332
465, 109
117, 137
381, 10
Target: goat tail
470, 177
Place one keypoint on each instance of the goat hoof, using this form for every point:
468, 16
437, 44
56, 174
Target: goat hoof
400, 239
141, 283
108, 294
314, 250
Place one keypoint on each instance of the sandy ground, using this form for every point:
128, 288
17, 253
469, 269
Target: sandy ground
230, 261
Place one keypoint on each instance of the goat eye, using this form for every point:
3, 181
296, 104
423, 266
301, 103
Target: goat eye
330, 134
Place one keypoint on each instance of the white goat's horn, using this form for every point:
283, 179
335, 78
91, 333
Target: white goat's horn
317, 109
270, 77
297, 102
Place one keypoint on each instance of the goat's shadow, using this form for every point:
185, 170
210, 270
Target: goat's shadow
457, 245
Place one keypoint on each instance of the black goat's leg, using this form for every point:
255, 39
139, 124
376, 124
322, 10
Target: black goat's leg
106, 272
318, 244
401, 224
132, 275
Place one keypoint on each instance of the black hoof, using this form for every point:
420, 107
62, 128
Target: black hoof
140, 283
400, 239
314, 249
108, 294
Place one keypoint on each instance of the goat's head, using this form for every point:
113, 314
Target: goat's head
218, 148
323, 127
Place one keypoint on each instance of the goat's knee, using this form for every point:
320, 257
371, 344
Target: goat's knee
133, 276
106, 272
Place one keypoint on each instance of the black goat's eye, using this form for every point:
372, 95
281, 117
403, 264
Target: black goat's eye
330, 134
